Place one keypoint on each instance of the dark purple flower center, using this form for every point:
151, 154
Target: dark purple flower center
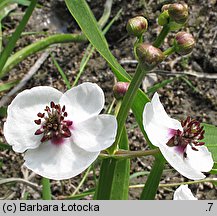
52, 123
191, 135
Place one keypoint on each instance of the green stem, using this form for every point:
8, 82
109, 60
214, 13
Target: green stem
125, 154
16, 35
169, 51
126, 104
160, 39
38, 46
46, 190
82, 181
152, 183
214, 180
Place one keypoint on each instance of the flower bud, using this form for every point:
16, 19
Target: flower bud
165, 7
178, 12
119, 89
149, 56
137, 26
184, 43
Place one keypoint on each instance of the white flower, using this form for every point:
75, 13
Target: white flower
183, 193
178, 142
61, 134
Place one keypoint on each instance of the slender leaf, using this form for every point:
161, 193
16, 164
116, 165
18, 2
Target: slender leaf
3, 111
210, 139
5, 146
5, 3
114, 176
6, 86
87, 22
152, 183
81, 195
16, 35
63, 75
46, 190
38, 46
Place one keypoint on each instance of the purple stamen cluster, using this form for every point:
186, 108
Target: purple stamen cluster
191, 135
52, 123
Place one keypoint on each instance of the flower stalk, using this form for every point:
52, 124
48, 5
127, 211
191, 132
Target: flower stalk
160, 39
126, 104
124, 154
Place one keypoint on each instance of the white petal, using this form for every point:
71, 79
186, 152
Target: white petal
19, 128
183, 193
200, 160
96, 133
179, 163
162, 116
157, 123
58, 162
83, 101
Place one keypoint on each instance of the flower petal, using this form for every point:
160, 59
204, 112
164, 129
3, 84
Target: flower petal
96, 133
201, 159
19, 127
183, 193
157, 123
83, 101
58, 162
179, 163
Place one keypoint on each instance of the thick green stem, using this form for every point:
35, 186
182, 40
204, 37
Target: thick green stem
46, 190
152, 183
126, 104
123, 154
160, 39
39, 45
16, 35
169, 51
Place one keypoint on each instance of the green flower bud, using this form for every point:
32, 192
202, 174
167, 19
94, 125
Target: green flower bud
184, 43
137, 26
119, 89
178, 12
149, 56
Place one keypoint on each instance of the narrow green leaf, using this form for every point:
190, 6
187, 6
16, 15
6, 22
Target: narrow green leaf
38, 46
46, 190
3, 111
6, 10
88, 24
157, 86
81, 195
152, 183
6, 86
114, 176
5, 3
5, 146
210, 139
63, 75
16, 35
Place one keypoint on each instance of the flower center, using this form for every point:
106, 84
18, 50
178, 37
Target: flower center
191, 134
52, 123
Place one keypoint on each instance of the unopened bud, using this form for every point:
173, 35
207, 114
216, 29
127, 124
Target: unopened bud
119, 89
137, 26
178, 12
149, 56
184, 43
165, 7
